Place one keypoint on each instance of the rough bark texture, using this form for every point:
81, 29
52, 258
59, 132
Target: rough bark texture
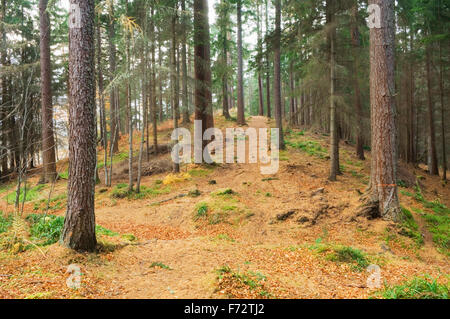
114, 115
383, 188
102, 102
267, 66
432, 154
356, 43
185, 99
5, 106
441, 89
240, 97
277, 72
48, 140
202, 66
79, 224
174, 79
260, 83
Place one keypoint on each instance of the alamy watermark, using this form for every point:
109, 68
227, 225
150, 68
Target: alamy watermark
374, 21
74, 280
213, 152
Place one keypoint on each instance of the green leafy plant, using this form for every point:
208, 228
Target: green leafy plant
45, 229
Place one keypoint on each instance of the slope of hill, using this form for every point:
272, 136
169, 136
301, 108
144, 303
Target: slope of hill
225, 230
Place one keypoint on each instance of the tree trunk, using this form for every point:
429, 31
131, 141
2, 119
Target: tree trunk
113, 97
357, 92
292, 113
185, 98
202, 66
154, 106
382, 192
269, 115
144, 94
441, 90
79, 223
277, 72
102, 102
334, 136
260, 84
129, 111
48, 141
4, 110
240, 98
432, 154
174, 79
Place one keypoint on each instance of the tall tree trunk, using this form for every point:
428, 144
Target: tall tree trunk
277, 72
334, 134
240, 98
144, 94
113, 97
129, 110
79, 223
48, 140
202, 66
383, 195
154, 106
269, 115
185, 98
224, 36
260, 84
356, 43
441, 90
4, 110
160, 62
292, 113
102, 101
432, 154
173, 77
413, 111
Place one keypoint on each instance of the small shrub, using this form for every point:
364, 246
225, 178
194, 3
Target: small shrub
45, 229
201, 210
349, 255
5, 222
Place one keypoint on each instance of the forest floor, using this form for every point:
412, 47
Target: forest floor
225, 230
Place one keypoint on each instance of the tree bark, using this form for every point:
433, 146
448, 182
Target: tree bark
202, 66
102, 101
240, 98
357, 92
185, 98
441, 90
173, 77
277, 72
269, 115
260, 83
382, 192
48, 140
79, 223
113, 98
432, 155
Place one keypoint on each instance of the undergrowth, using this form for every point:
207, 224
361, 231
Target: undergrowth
417, 288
